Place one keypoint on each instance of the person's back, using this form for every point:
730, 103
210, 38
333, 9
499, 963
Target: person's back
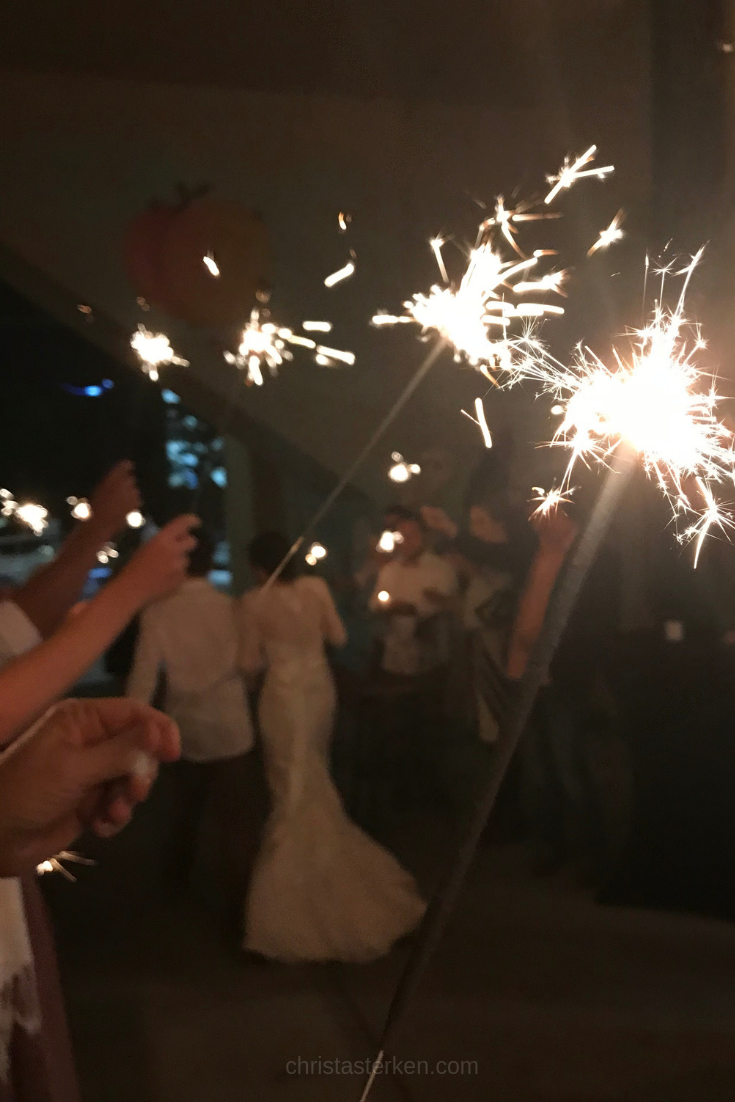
191, 637
290, 622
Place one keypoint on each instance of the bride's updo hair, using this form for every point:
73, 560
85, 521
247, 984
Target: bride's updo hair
268, 551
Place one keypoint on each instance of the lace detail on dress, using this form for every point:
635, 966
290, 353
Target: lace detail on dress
19, 1003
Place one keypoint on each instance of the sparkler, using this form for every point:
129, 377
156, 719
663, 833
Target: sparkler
610, 235
54, 864
654, 399
29, 513
315, 554
154, 351
263, 344
570, 172
400, 470
550, 500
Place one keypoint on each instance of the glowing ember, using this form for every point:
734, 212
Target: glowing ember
609, 236
154, 350
402, 471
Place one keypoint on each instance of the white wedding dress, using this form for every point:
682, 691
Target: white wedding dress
321, 888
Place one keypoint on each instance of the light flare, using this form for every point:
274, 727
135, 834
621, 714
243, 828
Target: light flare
609, 236
340, 275
154, 351
401, 471
571, 171
481, 421
34, 516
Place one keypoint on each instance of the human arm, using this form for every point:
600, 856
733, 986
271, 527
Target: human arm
50, 593
33, 681
84, 766
556, 534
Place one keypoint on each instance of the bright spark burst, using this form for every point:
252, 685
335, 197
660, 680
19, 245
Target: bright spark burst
263, 344
481, 421
154, 350
550, 500
29, 513
657, 400
609, 236
476, 314
340, 275
571, 171
401, 471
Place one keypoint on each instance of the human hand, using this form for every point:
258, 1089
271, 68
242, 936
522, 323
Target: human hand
85, 765
401, 608
161, 564
436, 519
555, 530
115, 496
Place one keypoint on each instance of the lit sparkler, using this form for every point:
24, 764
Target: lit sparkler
54, 864
571, 171
263, 344
29, 513
154, 351
654, 400
550, 500
609, 236
401, 471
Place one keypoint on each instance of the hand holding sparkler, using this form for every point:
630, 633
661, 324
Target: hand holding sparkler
114, 499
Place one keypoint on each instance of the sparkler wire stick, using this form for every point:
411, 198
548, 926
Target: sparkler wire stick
422, 370
560, 609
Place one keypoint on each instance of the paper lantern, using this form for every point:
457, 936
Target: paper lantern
143, 251
215, 260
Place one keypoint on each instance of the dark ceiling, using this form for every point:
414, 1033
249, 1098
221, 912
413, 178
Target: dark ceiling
474, 50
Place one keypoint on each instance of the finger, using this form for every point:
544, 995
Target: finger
118, 756
111, 715
180, 527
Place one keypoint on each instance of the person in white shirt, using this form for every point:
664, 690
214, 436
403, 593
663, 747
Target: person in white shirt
190, 638
410, 593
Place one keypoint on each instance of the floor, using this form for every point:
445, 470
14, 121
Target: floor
544, 995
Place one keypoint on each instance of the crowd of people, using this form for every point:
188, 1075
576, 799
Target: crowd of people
220, 688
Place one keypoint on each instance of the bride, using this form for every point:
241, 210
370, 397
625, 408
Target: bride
321, 888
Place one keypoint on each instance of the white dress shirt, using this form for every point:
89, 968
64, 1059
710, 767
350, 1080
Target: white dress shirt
192, 636
405, 583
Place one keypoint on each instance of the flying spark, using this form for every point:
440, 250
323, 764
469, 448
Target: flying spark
609, 236
480, 421
341, 274
316, 326
211, 264
570, 172
154, 350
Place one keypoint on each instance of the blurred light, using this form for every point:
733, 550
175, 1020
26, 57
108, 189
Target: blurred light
81, 509
135, 519
219, 476
384, 596
210, 264
169, 397
389, 540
